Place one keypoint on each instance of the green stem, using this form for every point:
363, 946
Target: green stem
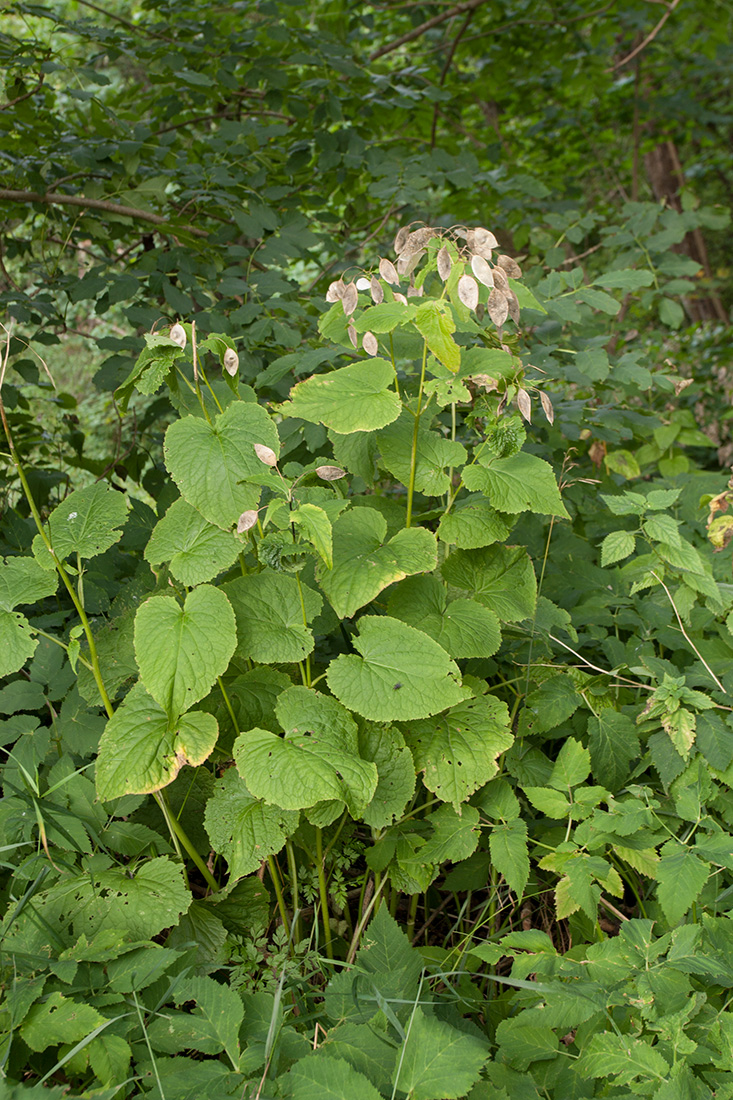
293, 868
412, 914
275, 877
307, 674
179, 832
228, 703
413, 459
323, 891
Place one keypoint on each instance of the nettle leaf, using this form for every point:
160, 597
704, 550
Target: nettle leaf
614, 745
22, 580
356, 398
438, 1060
463, 627
617, 546
434, 321
153, 899
571, 767
242, 828
715, 740
196, 550
500, 577
624, 1058
180, 651
317, 759
269, 615
474, 523
142, 750
401, 673
680, 878
85, 523
508, 847
455, 835
211, 462
363, 566
327, 1078
219, 1012
551, 704
58, 1019
386, 748
435, 454
519, 483
458, 750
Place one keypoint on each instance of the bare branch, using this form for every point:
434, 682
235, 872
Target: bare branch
26, 95
56, 199
645, 42
417, 32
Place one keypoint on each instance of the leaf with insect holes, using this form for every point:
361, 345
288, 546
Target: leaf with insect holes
463, 627
399, 673
356, 398
317, 759
500, 577
269, 615
468, 291
458, 750
242, 828
143, 750
523, 482
85, 523
180, 651
211, 462
364, 564
195, 549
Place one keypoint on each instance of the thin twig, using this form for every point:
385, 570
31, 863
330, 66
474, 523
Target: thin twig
685, 635
645, 42
417, 32
26, 95
53, 198
445, 69
603, 671
612, 908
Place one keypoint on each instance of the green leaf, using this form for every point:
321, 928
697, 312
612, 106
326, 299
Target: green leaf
623, 463
363, 564
316, 760
196, 549
616, 546
316, 529
219, 1012
211, 462
109, 1058
571, 767
553, 803
85, 523
455, 835
17, 643
551, 704
474, 523
385, 747
521, 1044
58, 1019
367, 1048
715, 740
385, 317
458, 750
244, 829
331, 1078
439, 1062
181, 650
599, 300
23, 580
269, 615
142, 750
500, 577
519, 483
671, 313
622, 1057
614, 744
625, 280
352, 399
434, 321
680, 878
464, 628
508, 847
434, 455
401, 673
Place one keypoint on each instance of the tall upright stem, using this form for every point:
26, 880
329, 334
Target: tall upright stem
413, 459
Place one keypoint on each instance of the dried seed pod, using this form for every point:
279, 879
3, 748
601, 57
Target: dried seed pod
401, 239
351, 329
388, 272
512, 268
524, 404
350, 299
481, 241
415, 291
513, 304
400, 298
369, 343
417, 241
178, 334
265, 454
468, 291
482, 271
335, 291
376, 290
497, 307
502, 403
246, 520
362, 283
444, 263
330, 473
500, 279
547, 407
408, 261
231, 361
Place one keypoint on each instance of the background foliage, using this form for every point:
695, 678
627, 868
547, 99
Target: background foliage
505, 871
